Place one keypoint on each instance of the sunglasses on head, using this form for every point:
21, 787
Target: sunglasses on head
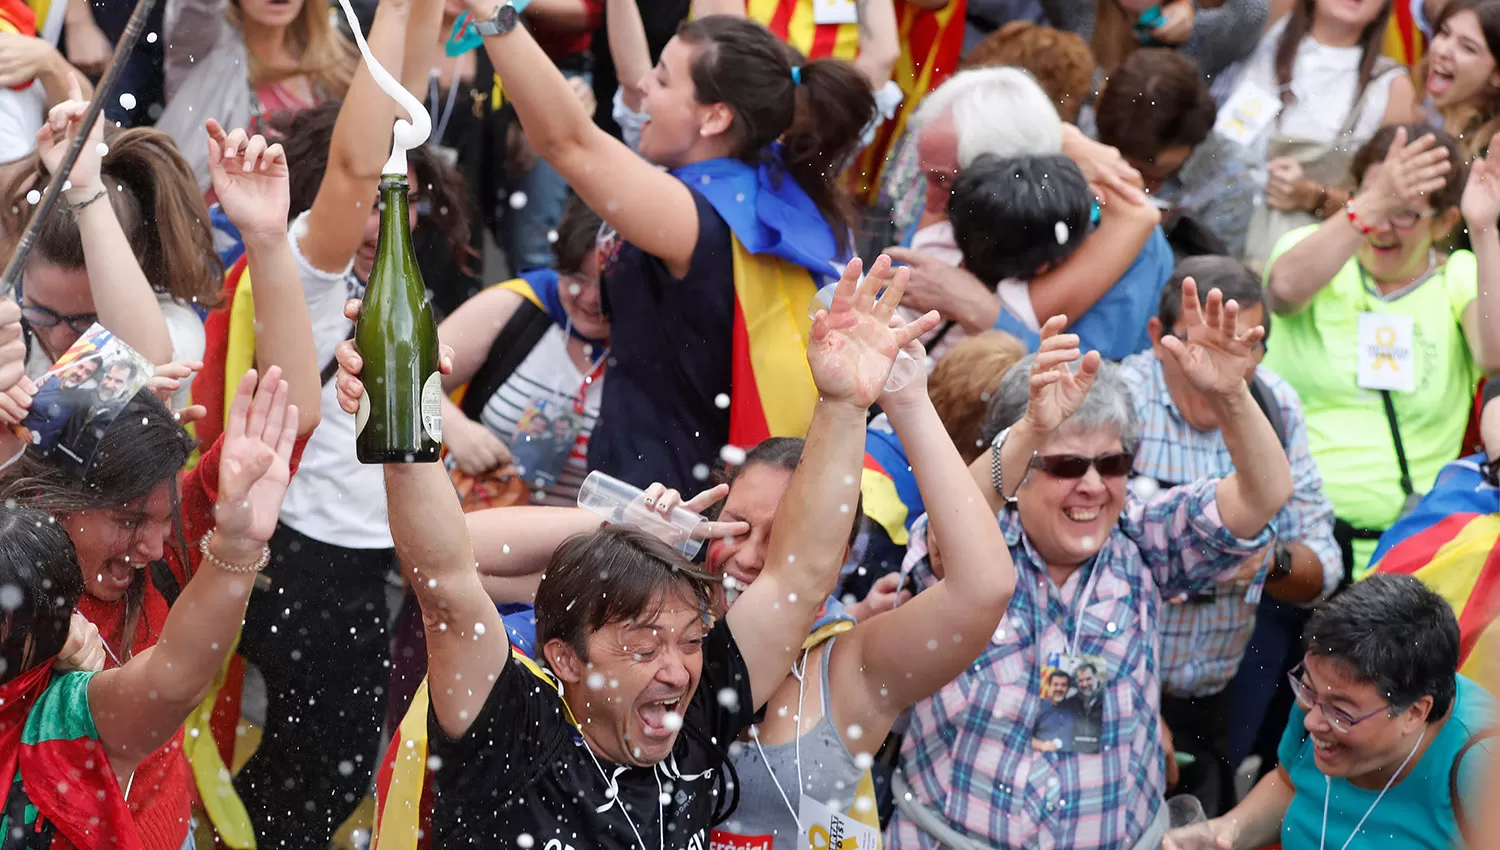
1114, 465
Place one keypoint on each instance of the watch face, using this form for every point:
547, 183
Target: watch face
506, 17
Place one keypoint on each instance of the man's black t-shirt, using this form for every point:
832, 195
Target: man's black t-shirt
522, 769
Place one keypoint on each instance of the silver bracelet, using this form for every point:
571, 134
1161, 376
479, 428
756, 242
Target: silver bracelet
75, 208
237, 569
997, 479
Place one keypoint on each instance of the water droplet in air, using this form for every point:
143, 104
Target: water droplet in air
479, 628
596, 681
434, 762
855, 732
33, 197
671, 721
552, 237
102, 149
700, 471
10, 597
721, 401
517, 200
732, 455
127, 99
150, 38
524, 841
1061, 231
728, 698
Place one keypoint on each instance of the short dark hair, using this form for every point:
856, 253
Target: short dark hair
1157, 99
1395, 633
1209, 271
1374, 151
785, 453
1087, 665
1006, 213
577, 236
1060, 672
615, 575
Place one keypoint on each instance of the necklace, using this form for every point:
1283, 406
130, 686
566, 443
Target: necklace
1328, 792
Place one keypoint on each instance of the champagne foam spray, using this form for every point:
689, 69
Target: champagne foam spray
409, 134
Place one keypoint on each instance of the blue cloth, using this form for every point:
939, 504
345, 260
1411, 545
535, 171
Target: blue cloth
1460, 488
1417, 812
227, 239
768, 212
1116, 325
882, 444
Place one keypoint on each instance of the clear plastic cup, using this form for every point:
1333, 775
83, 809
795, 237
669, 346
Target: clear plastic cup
1188, 827
619, 503
902, 371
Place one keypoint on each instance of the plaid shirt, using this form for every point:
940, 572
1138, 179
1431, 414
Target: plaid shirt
968, 754
1204, 637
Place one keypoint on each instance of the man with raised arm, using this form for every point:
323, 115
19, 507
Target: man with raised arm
619, 742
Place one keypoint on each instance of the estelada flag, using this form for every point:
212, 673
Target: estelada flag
1451, 543
931, 41
792, 22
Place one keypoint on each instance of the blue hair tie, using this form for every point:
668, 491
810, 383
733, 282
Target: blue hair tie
1094, 213
796, 75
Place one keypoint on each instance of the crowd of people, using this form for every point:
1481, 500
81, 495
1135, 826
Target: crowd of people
1084, 402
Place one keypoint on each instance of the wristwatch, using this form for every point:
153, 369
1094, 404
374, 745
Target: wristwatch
997, 480
504, 19
1281, 564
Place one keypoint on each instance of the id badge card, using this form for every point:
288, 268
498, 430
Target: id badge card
544, 440
1247, 114
718, 839
835, 12
1071, 718
1385, 352
826, 829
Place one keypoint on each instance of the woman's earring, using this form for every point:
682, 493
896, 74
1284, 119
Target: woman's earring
703, 132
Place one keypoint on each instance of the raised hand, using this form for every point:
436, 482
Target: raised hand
1410, 172
250, 180
1212, 352
53, 139
854, 342
83, 650
913, 393
1481, 201
1056, 390
16, 389
347, 384
255, 459
662, 500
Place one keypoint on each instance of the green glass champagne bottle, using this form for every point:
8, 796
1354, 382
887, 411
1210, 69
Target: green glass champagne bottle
400, 413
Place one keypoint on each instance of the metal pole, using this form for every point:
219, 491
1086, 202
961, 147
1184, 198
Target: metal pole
102, 93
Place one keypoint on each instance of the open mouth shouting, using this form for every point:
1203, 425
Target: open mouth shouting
661, 719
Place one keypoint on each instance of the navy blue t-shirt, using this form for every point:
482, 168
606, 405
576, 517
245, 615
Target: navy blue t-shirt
671, 355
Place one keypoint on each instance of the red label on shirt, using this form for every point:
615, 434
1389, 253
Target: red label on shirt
718, 839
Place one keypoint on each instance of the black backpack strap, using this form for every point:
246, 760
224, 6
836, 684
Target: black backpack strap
1465, 827
515, 341
1266, 400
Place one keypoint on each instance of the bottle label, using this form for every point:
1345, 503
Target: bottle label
363, 416
432, 407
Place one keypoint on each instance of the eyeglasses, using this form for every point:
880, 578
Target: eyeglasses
40, 317
1116, 465
1406, 220
1339, 719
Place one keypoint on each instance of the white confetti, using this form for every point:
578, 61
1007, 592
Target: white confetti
732, 455
551, 237
721, 401
150, 38
855, 732
525, 841
102, 149
700, 471
10, 597
33, 197
127, 99
517, 200
479, 628
671, 721
1061, 230
596, 681
728, 698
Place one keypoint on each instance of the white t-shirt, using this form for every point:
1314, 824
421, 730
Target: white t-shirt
1325, 83
333, 498
22, 112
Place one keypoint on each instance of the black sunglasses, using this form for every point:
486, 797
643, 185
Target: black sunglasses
1115, 465
40, 317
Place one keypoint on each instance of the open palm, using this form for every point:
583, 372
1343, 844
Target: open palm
255, 458
1056, 391
853, 343
1481, 199
250, 178
1211, 351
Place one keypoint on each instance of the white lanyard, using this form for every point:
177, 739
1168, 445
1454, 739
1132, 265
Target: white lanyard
796, 744
612, 793
1045, 603
1328, 792
432, 89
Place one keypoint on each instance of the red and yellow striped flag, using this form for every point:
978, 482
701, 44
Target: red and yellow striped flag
792, 22
1403, 41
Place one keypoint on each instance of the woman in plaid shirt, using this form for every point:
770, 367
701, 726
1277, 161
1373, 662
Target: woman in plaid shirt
1092, 566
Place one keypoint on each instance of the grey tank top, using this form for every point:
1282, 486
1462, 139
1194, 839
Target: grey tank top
829, 775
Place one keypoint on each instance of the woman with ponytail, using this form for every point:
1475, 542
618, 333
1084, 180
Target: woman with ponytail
131, 247
718, 256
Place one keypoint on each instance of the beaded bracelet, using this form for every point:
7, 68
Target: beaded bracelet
237, 569
74, 208
1363, 228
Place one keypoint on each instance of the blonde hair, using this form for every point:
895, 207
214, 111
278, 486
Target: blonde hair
964, 380
324, 55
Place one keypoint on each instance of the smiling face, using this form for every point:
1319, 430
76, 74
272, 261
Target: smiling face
676, 121
753, 499
115, 382
937, 156
1398, 251
1068, 520
1057, 687
113, 543
1087, 681
79, 373
580, 299
65, 292
271, 13
630, 694
1378, 743
1461, 69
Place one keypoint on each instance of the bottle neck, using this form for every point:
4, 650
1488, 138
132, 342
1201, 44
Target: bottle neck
395, 219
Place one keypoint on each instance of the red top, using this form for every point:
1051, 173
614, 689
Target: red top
161, 791
560, 44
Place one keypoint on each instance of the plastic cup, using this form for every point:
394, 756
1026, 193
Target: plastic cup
902, 371
1188, 827
619, 503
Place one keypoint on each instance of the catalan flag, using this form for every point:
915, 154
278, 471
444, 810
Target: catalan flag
888, 488
1404, 42
792, 22
17, 17
931, 41
1451, 543
784, 252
